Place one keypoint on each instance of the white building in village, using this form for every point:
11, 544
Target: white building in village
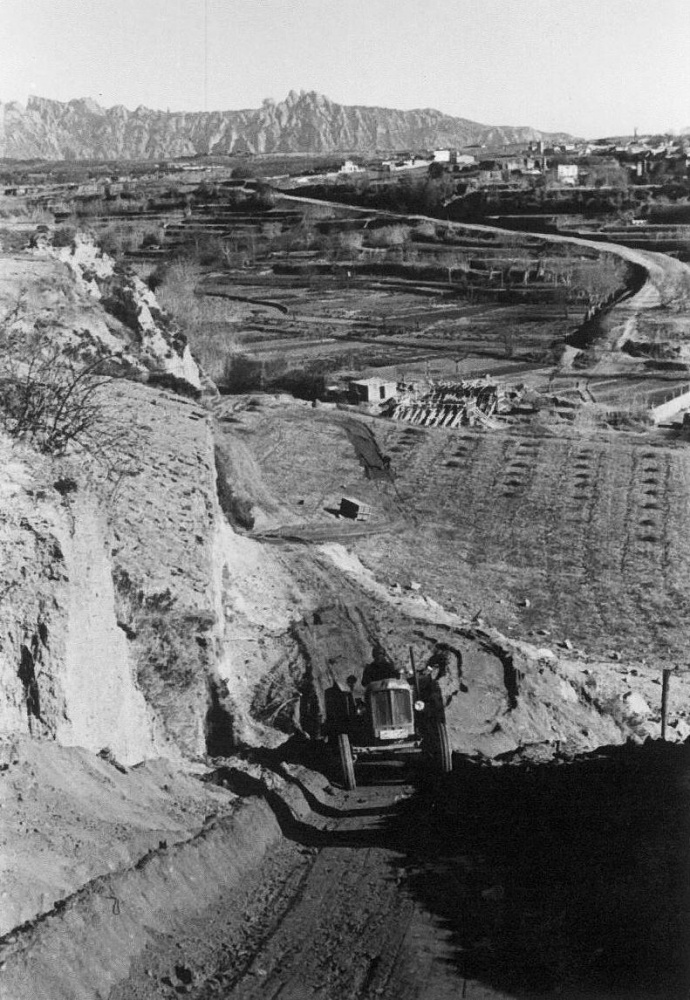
350, 167
372, 390
568, 173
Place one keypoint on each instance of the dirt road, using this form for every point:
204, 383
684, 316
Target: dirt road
329, 915
549, 879
350, 931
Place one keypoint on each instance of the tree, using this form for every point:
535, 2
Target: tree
242, 171
436, 192
389, 236
350, 242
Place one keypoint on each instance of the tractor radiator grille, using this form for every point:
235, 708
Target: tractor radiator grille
391, 708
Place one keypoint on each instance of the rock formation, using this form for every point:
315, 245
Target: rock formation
302, 123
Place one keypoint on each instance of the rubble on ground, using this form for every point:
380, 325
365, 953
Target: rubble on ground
456, 404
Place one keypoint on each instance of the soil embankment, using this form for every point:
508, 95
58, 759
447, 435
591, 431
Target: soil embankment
536, 879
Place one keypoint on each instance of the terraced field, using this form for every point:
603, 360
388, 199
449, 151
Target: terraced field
578, 536
581, 536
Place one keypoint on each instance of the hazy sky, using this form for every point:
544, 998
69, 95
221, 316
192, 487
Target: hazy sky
589, 67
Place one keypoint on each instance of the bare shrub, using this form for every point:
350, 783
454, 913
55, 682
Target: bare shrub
152, 237
241, 373
425, 230
171, 640
389, 236
46, 397
12, 207
350, 243
53, 398
271, 230
209, 251
64, 236
115, 240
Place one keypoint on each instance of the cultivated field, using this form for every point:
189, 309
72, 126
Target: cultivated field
573, 534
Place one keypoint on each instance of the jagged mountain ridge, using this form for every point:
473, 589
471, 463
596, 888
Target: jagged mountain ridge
304, 122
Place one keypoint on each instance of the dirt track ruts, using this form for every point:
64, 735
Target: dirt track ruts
328, 916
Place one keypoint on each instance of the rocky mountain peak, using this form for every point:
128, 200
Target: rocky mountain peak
305, 122
88, 105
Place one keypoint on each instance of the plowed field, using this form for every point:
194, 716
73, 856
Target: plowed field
580, 535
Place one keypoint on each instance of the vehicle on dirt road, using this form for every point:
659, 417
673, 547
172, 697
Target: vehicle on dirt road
397, 716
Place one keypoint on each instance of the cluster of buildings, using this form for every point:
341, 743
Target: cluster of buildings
583, 164
650, 160
601, 163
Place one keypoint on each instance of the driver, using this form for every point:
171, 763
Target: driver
381, 667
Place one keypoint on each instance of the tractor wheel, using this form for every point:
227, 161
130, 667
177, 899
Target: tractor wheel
347, 766
442, 752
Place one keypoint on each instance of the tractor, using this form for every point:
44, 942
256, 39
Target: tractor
396, 716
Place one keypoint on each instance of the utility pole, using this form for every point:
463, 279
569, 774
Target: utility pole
205, 55
665, 681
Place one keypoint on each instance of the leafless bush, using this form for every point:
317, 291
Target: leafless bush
426, 229
350, 242
389, 236
50, 397
171, 640
116, 240
15, 208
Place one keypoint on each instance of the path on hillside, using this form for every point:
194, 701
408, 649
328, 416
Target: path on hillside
350, 931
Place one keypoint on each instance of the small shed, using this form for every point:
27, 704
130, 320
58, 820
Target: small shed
354, 509
372, 390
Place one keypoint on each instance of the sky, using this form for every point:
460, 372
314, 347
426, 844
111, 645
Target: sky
588, 67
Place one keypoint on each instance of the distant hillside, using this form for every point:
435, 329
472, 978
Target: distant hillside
302, 123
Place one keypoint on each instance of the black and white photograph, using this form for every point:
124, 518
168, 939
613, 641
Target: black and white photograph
345, 499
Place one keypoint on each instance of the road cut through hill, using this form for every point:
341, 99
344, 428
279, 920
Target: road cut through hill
329, 915
546, 876
535, 873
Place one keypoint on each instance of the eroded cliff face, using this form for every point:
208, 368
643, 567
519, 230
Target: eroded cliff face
303, 122
136, 620
65, 670
68, 666
33, 609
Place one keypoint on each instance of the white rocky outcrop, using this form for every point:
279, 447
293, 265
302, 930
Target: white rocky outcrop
65, 669
104, 707
157, 346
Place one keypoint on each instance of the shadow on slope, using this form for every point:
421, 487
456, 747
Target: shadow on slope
569, 877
